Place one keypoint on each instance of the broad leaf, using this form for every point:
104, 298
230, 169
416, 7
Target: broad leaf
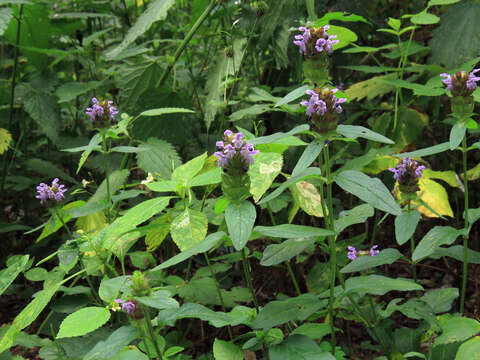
298, 347
293, 95
190, 310
357, 215
457, 329
361, 263
439, 235
75, 324
189, 228
307, 196
240, 218
405, 225
186, 172
354, 131
224, 350
119, 339
309, 155
263, 171
159, 299
277, 253
469, 350
5, 16
15, 267
440, 300
160, 158
292, 231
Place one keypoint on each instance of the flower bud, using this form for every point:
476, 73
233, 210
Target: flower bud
140, 284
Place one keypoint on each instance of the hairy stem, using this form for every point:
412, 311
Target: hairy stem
465, 236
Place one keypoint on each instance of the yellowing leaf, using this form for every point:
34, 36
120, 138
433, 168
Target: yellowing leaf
369, 89
381, 163
5, 138
266, 167
308, 198
435, 195
92, 223
450, 177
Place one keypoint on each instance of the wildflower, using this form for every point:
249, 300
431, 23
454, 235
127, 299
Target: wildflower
54, 192
315, 40
354, 253
234, 153
407, 173
323, 108
461, 83
101, 113
127, 306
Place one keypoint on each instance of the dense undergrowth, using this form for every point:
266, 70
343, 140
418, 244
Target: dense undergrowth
241, 179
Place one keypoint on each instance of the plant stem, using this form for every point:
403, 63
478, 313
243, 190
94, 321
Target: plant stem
187, 39
412, 248
330, 224
12, 92
57, 215
246, 272
220, 296
105, 161
148, 322
465, 236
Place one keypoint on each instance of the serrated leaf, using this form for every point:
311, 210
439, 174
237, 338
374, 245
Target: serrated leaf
370, 190
189, 228
240, 218
75, 324
224, 350
264, 170
44, 167
70, 91
159, 158
5, 138
43, 109
156, 11
439, 235
447, 43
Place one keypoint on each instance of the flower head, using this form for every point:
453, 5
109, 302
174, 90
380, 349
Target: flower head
234, 152
407, 170
315, 40
461, 83
127, 306
323, 107
354, 253
54, 192
101, 113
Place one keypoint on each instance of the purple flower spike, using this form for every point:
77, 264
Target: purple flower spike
472, 80
461, 83
323, 101
374, 251
352, 253
101, 113
447, 80
53, 192
302, 40
127, 306
235, 152
314, 41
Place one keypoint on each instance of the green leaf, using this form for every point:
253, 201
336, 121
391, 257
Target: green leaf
298, 347
156, 11
281, 311
442, 2
424, 18
357, 215
252, 111
15, 267
209, 242
27, 316
119, 339
207, 178
224, 350
456, 252
70, 91
277, 253
293, 95
47, 168
344, 35
279, 135
189, 228
370, 190
307, 196
307, 173
263, 171
457, 134
440, 300
469, 350
240, 218
186, 172
43, 109
87, 150
370, 88
340, 16
309, 155
154, 237
116, 179
115, 236
439, 235
190, 310
457, 329
127, 149
361, 263
379, 285
432, 150
447, 44
5, 16
110, 289
418, 89
405, 225
292, 231
314, 331
160, 158
75, 324
159, 299
163, 111
354, 131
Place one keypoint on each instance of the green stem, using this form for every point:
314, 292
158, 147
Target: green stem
57, 215
330, 223
105, 161
248, 279
187, 39
12, 92
412, 248
148, 322
465, 236
220, 296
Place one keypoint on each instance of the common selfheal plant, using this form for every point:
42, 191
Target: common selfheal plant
461, 85
323, 108
128, 306
101, 113
54, 192
234, 156
354, 253
407, 173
